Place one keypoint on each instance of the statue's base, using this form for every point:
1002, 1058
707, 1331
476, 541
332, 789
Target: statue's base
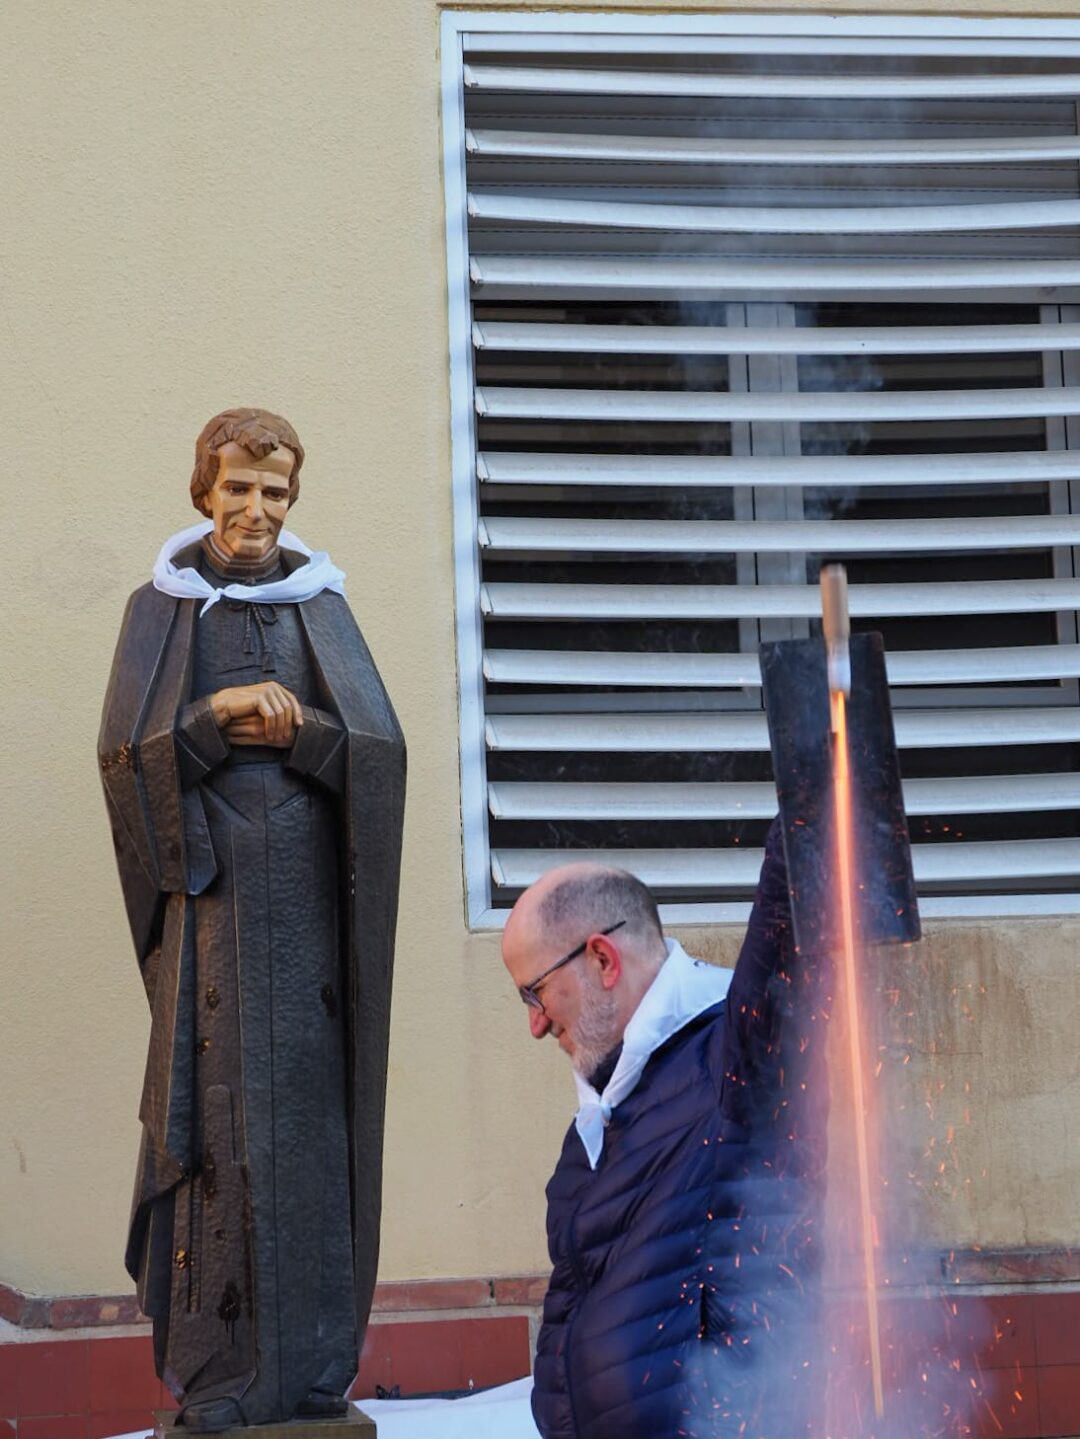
353, 1425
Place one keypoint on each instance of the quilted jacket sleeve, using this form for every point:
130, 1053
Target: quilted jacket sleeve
744, 1041
772, 1043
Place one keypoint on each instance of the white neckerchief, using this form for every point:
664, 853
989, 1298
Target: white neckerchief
187, 584
683, 988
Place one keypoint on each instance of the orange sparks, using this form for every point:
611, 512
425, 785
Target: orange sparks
993, 1416
845, 860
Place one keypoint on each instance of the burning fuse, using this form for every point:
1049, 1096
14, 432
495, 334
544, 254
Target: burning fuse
836, 626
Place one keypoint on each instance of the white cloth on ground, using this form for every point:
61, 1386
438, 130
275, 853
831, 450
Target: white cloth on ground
320, 573
502, 1413
683, 989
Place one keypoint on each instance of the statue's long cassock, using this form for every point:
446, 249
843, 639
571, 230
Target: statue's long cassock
262, 903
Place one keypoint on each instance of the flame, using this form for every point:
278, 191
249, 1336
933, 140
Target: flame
846, 871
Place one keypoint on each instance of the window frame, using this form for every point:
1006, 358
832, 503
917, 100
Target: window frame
552, 31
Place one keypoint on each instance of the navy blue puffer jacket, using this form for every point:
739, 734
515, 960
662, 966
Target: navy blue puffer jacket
681, 1299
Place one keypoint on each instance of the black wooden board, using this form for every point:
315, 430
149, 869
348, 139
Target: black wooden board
797, 706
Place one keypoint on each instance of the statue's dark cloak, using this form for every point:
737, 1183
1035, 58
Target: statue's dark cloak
163, 848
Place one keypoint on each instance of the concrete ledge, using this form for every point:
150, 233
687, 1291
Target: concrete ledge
90, 1311
948, 1269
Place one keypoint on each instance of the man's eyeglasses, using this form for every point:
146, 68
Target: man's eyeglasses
528, 991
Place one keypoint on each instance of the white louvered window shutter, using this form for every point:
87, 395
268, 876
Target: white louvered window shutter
730, 302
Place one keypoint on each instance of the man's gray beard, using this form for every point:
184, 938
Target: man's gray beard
596, 1032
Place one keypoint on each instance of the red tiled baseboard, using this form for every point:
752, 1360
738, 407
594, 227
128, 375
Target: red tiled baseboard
90, 1380
1020, 1353
1059, 1400
443, 1355
107, 1385
54, 1426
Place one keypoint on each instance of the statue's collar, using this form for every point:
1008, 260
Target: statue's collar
227, 567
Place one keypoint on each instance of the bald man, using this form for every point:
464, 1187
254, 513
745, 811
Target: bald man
684, 1211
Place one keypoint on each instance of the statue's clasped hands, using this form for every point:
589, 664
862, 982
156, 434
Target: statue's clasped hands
265, 713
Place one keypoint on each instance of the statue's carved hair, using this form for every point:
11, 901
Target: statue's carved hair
259, 431
596, 898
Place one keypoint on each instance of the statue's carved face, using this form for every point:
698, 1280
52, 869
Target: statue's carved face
249, 500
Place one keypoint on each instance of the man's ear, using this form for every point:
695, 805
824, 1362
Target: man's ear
608, 958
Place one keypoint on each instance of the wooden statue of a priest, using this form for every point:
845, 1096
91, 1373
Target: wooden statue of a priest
254, 773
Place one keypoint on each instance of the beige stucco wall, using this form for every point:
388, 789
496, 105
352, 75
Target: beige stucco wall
232, 202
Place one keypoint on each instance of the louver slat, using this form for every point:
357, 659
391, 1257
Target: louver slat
819, 471
729, 340
725, 537
654, 602
786, 220
704, 733
697, 869
681, 277
719, 150
652, 670
971, 794
856, 406
887, 42
875, 87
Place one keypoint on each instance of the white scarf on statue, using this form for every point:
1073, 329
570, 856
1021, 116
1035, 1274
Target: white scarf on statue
683, 989
309, 580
